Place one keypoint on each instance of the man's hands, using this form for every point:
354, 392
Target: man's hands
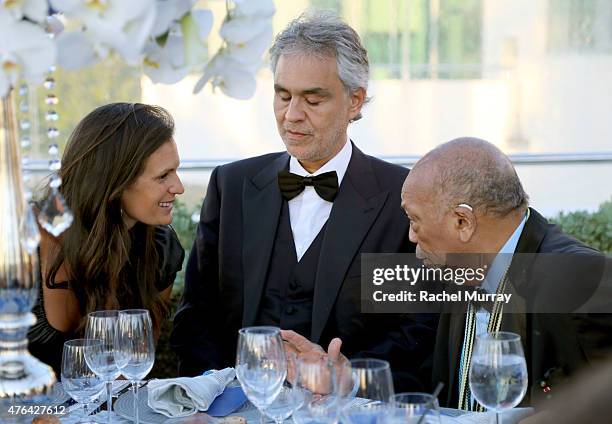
299, 347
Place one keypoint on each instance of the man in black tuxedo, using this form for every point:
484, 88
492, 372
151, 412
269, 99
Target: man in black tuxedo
465, 197
280, 235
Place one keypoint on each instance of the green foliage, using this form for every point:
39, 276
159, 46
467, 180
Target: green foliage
594, 229
185, 228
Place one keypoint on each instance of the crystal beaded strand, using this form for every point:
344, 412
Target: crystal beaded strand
55, 216
28, 227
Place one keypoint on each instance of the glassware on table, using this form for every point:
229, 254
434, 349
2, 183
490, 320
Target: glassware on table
135, 348
102, 325
498, 371
78, 380
365, 379
261, 367
316, 383
410, 408
286, 403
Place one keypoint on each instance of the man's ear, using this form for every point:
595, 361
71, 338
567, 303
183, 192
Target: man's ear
464, 222
357, 98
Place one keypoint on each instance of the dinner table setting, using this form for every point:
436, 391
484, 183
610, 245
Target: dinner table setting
268, 383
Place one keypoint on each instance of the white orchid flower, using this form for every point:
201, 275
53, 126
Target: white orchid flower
76, 50
168, 13
25, 51
251, 51
121, 25
195, 28
242, 29
36, 10
260, 8
235, 79
166, 64
184, 47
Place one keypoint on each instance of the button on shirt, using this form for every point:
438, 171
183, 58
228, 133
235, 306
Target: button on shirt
308, 212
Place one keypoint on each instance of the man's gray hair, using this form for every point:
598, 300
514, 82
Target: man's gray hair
474, 171
324, 34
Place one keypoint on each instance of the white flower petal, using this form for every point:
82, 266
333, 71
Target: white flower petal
36, 10
251, 51
195, 48
241, 30
169, 11
165, 64
75, 50
263, 8
204, 20
66, 6
27, 47
238, 84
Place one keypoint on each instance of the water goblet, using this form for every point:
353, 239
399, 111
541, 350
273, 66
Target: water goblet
261, 367
78, 380
498, 371
413, 408
135, 348
365, 379
102, 325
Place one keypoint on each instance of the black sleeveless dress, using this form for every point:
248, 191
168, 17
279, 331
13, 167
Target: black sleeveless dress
47, 343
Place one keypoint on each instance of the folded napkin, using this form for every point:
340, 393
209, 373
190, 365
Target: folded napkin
184, 396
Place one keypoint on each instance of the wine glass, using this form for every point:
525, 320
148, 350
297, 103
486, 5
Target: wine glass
78, 380
261, 367
361, 379
135, 348
288, 400
413, 408
316, 384
498, 371
102, 325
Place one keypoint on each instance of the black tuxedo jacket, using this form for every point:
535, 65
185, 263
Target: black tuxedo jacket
227, 267
555, 344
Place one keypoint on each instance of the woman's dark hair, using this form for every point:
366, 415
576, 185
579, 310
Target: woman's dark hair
105, 154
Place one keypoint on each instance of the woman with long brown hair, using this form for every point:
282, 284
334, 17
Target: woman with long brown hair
119, 178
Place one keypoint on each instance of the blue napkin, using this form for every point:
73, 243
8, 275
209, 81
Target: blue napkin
227, 402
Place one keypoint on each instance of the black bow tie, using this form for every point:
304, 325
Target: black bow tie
326, 184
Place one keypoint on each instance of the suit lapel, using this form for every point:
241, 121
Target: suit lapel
262, 202
357, 205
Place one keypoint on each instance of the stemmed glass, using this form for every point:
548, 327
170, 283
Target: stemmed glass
365, 379
316, 384
82, 384
261, 367
498, 372
413, 408
102, 325
135, 348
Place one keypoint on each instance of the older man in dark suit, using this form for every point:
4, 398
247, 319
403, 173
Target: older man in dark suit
465, 197
280, 235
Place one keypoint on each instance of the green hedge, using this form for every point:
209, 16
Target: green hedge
594, 229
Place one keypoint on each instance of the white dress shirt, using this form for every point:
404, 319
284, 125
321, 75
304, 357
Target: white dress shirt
308, 212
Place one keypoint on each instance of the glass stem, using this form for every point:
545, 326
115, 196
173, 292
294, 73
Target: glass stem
85, 414
135, 387
497, 418
109, 404
262, 417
